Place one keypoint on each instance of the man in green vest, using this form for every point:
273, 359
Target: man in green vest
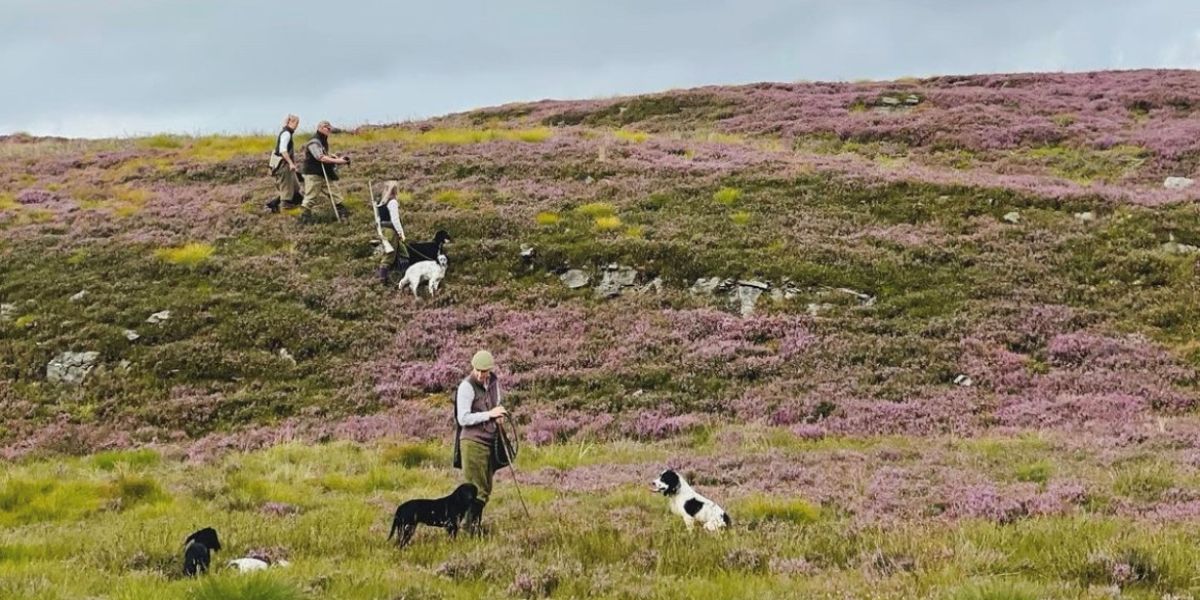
320, 167
478, 412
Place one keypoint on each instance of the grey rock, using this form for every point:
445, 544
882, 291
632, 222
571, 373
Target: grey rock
864, 299
814, 309
287, 356
615, 279
1086, 216
1013, 217
655, 285
746, 297
71, 367
912, 100
131, 335
7, 311
1174, 247
890, 101
1178, 183
762, 285
706, 285
158, 317
575, 279
79, 296
589, 180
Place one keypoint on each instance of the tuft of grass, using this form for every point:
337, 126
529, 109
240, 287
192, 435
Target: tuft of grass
727, 195
8, 202
596, 210
765, 508
1144, 482
636, 232
219, 148
547, 218
130, 490
255, 586
409, 455
137, 459
162, 141
740, 217
456, 198
24, 501
445, 136
996, 590
636, 137
1037, 472
188, 254
608, 223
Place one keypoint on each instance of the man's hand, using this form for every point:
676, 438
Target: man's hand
497, 413
346, 160
292, 166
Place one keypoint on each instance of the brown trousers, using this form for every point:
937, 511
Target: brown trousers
286, 182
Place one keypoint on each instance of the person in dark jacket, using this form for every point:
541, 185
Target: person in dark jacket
320, 167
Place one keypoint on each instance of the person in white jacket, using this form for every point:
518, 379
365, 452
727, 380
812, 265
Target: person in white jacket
391, 232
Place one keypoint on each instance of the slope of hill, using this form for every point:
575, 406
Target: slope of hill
969, 300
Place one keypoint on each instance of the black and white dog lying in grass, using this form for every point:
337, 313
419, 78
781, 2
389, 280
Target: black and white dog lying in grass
447, 512
197, 549
689, 504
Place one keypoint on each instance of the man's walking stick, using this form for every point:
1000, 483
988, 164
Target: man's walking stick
512, 466
329, 187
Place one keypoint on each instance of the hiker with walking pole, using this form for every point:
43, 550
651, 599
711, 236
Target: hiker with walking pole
283, 167
479, 448
391, 233
320, 169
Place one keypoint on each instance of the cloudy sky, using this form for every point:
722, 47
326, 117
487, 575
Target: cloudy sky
92, 68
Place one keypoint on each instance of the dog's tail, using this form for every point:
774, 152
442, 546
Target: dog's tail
395, 527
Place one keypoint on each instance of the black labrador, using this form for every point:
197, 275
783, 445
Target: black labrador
419, 251
196, 551
445, 512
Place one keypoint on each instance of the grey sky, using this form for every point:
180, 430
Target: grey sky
122, 67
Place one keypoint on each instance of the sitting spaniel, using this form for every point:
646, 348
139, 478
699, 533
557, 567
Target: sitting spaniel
689, 504
426, 270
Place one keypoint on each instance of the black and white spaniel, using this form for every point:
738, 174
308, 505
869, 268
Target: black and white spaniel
689, 504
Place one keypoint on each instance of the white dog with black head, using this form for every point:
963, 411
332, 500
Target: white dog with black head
425, 270
689, 504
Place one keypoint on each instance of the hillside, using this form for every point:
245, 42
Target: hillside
894, 305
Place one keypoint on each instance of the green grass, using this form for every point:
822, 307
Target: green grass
345, 494
727, 196
190, 254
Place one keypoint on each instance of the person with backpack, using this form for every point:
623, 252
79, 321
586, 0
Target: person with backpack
320, 167
478, 440
391, 232
283, 166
